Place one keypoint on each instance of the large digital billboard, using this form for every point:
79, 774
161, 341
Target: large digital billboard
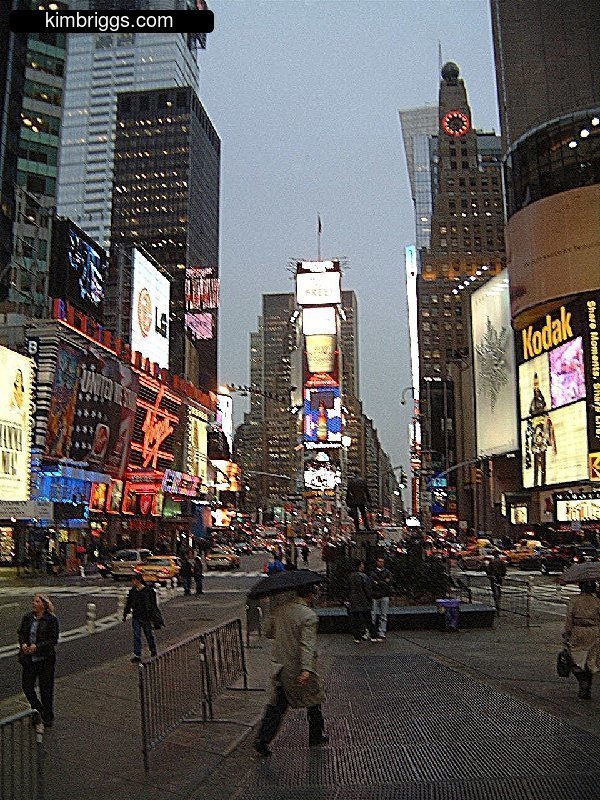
92, 410
201, 302
322, 417
556, 395
78, 269
494, 367
15, 424
320, 320
150, 311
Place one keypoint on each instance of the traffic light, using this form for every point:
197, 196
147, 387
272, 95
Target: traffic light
476, 475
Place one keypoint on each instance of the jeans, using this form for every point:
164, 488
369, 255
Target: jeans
43, 672
187, 584
274, 715
139, 626
199, 584
379, 612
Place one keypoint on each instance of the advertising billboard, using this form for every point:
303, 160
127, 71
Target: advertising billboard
196, 444
92, 410
318, 288
156, 420
553, 249
321, 476
556, 395
320, 353
201, 302
494, 368
78, 269
15, 424
225, 416
322, 417
150, 311
320, 320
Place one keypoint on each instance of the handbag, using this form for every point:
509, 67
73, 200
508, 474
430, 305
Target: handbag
564, 663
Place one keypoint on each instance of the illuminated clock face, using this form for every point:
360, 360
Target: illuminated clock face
456, 123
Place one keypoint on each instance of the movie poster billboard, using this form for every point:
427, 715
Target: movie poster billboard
494, 368
556, 400
322, 417
92, 410
15, 424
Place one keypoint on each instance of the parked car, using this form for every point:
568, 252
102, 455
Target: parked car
159, 569
124, 562
242, 547
222, 558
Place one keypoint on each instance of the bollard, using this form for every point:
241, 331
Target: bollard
173, 587
81, 572
162, 593
91, 617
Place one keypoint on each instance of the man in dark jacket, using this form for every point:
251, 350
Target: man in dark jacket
141, 601
358, 498
496, 570
360, 596
38, 636
186, 572
381, 579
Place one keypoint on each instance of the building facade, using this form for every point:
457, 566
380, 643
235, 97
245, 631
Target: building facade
166, 198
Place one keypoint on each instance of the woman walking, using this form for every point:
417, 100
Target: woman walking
582, 636
38, 637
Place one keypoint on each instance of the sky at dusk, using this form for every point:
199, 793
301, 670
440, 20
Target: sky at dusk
305, 97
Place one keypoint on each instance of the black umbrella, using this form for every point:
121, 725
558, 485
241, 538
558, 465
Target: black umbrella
576, 573
286, 581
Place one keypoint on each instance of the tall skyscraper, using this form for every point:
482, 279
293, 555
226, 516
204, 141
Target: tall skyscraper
166, 198
466, 246
419, 125
13, 51
100, 66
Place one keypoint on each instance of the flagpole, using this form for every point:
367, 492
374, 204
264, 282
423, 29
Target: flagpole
319, 228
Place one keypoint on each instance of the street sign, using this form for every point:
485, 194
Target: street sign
26, 509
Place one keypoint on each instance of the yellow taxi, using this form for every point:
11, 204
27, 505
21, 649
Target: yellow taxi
222, 558
158, 569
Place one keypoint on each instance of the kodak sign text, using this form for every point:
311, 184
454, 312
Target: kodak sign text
551, 334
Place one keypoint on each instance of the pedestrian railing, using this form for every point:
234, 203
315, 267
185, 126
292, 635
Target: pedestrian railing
225, 661
186, 679
21, 758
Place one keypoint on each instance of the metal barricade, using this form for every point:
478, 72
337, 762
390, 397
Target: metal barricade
514, 596
172, 686
225, 660
21, 758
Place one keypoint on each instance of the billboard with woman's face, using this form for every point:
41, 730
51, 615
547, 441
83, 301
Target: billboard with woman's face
15, 424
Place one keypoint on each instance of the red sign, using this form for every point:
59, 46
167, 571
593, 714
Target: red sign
157, 418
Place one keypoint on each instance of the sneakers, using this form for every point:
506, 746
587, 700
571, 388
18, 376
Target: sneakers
262, 749
136, 659
358, 641
375, 639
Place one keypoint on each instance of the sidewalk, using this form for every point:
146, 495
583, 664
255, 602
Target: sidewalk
428, 715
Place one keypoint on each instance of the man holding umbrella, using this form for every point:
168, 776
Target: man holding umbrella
296, 682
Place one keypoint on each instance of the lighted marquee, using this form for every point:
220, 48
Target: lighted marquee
322, 417
556, 382
577, 506
156, 419
15, 424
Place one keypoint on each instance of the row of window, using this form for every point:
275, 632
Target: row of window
434, 312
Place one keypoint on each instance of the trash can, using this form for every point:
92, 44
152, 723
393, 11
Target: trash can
451, 609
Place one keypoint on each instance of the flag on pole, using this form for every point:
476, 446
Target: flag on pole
320, 227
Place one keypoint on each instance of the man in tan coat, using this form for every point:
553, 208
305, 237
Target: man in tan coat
582, 636
296, 683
